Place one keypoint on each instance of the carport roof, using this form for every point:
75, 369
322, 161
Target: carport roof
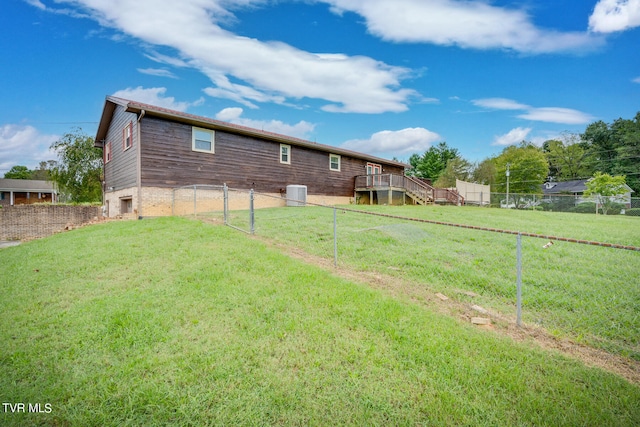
26, 185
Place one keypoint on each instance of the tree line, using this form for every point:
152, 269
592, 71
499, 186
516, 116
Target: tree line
603, 148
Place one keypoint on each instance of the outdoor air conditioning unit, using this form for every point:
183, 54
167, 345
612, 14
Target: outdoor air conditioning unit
296, 195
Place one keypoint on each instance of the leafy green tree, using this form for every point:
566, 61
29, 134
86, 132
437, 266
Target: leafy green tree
615, 149
567, 159
18, 172
485, 172
433, 162
628, 151
528, 169
606, 188
601, 144
43, 171
78, 171
457, 168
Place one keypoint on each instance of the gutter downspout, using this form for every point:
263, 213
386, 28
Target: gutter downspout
139, 163
103, 181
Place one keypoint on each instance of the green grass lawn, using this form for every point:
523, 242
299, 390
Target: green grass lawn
589, 294
176, 322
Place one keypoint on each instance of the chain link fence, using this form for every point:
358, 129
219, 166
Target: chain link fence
560, 203
587, 291
214, 203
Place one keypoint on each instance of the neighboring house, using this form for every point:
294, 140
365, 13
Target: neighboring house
577, 188
149, 151
26, 191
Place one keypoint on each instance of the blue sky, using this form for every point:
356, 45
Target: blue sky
389, 78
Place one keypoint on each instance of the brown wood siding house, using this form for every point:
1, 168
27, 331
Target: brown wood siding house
150, 150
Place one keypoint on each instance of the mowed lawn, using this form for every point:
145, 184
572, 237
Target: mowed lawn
589, 294
176, 322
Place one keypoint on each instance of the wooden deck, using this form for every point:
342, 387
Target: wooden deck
389, 189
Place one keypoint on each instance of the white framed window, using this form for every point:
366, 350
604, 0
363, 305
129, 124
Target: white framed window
107, 153
127, 137
334, 162
203, 140
285, 154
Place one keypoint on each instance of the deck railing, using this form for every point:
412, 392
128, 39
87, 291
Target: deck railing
416, 188
448, 196
421, 190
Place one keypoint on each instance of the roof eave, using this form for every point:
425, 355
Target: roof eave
137, 108
105, 120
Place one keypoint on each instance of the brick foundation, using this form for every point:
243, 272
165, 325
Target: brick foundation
186, 201
115, 203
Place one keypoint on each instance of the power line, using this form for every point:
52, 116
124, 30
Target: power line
62, 123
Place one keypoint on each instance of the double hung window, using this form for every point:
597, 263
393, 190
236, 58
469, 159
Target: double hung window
203, 140
127, 137
334, 162
285, 154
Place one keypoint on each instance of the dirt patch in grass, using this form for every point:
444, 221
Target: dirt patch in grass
465, 312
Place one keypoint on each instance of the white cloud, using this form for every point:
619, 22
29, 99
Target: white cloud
544, 114
159, 72
155, 96
301, 129
164, 59
557, 115
37, 3
396, 143
469, 24
24, 145
615, 15
514, 136
261, 71
636, 80
500, 104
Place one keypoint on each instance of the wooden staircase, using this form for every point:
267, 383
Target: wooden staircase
419, 191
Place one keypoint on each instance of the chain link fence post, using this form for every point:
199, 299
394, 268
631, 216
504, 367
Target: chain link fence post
519, 280
335, 237
251, 213
195, 199
225, 192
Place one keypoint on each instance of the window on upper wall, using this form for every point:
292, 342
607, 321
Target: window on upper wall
203, 140
334, 162
285, 154
107, 152
127, 137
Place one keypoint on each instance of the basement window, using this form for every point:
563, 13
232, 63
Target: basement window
202, 140
285, 154
334, 162
126, 205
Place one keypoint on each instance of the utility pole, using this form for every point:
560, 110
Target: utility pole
508, 173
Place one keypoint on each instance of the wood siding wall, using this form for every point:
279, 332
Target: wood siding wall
241, 162
121, 171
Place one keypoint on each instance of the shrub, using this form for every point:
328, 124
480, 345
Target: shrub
586, 207
615, 209
633, 212
590, 207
